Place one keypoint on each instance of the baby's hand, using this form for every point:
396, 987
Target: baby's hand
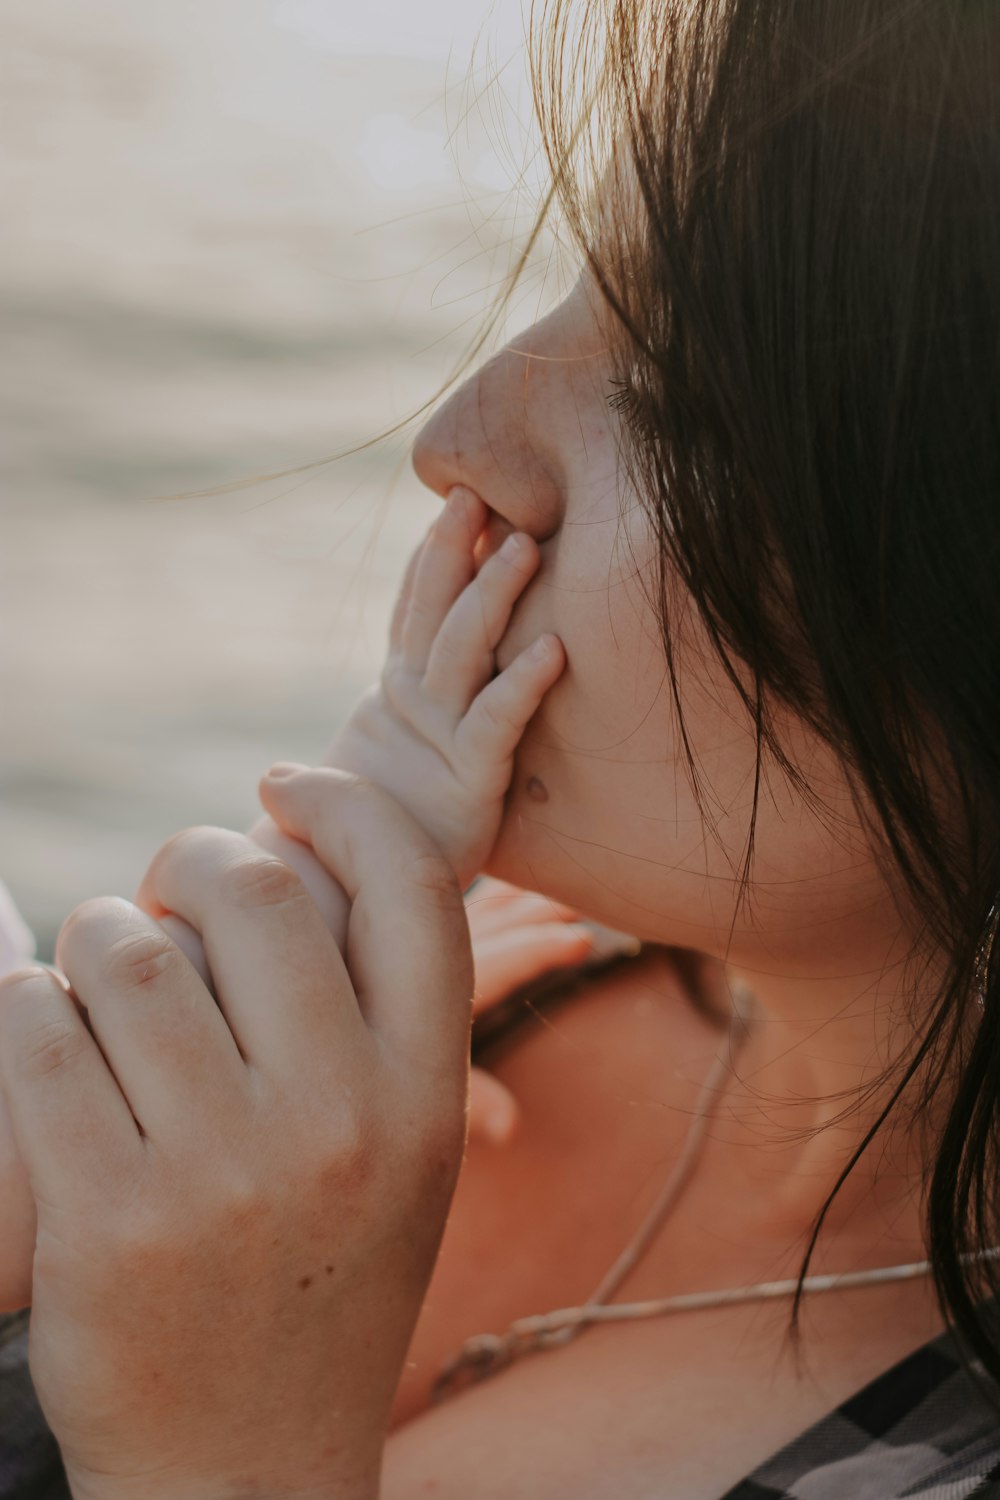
440, 727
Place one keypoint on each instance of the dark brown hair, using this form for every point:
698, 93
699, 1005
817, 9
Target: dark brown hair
799, 246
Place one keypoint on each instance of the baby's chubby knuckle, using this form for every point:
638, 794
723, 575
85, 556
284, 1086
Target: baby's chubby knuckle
419, 608
491, 721
261, 882
366, 807
450, 647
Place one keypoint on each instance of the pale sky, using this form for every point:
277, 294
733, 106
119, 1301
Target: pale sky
407, 28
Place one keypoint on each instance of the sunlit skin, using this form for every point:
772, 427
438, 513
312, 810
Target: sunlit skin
618, 833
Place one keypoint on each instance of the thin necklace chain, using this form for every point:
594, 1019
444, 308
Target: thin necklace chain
486, 1353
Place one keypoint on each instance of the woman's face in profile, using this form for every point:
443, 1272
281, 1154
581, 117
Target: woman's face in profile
601, 811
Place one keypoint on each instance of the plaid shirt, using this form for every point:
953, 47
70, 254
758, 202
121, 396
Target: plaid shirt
921, 1431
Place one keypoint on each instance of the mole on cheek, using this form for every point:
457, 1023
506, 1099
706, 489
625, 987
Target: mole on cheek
536, 789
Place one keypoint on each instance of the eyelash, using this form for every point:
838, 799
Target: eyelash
625, 401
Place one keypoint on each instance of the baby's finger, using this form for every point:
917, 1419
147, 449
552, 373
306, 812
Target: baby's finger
504, 962
493, 905
461, 660
446, 567
403, 600
494, 1113
489, 734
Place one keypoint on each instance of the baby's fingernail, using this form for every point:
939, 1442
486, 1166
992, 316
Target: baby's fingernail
459, 500
574, 931
513, 545
608, 941
282, 769
542, 648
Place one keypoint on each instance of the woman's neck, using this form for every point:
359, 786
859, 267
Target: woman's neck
815, 1070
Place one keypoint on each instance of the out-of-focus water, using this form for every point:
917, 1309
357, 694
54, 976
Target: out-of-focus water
238, 236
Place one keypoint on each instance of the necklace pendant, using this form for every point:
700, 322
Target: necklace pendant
478, 1357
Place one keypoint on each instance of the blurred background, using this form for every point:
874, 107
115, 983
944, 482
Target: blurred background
238, 237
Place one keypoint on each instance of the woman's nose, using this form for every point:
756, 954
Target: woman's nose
489, 435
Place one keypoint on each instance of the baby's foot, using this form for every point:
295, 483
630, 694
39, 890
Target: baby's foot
440, 727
